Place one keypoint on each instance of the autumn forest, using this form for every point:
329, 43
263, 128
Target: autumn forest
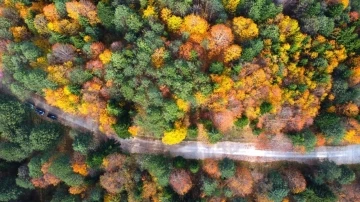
177, 71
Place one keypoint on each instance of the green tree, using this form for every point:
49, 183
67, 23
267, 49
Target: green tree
279, 188
44, 135
61, 168
126, 20
209, 186
227, 168
9, 190
347, 175
331, 125
82, 143
242, 122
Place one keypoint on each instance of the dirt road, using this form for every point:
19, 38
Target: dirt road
198, 150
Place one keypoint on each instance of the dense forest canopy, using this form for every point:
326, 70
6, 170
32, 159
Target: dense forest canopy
191, 69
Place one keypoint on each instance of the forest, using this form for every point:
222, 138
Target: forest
40, 161
205, 70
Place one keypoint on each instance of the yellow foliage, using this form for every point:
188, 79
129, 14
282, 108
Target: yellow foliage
183, 105
231, 5
57, 73
133, 130
157, 58
245, 28
106, 121
200, 98
165, 14
345, 3
175, 136
174, 23
105, 57
87, 38
288, 26
196, 26
58, 98
149, 11
351, 110
352, 137
232, 53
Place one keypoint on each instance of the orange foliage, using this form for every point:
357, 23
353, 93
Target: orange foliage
187, 49
296, 180
80, 168
157, 58
211, 167
350, 110
220, 36
19, 33
180, 181
149, 189
51, 13
77, 190
355, 76
242, 183
86, 9
96, 49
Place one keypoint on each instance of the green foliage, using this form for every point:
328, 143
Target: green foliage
45, 135
279, 188
304, 138
12, 152
270, 32
227, 168
179, 162
209, 186
265, 107
327, 172
251, 50
158, 166
122, 130
242, 122
95, 158
331, 125
347, 175
82, 143
349, 38
9, 190
194, 167
61, 168
126, 20
260, 10
80, 76
216, 68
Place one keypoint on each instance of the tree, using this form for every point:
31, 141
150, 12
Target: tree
61, 168
244, 28
260, 10
62, 53
9, 190
174, 136
209, 186
279, 188
227, 168
158, 166
211, 167
347, 175
43, 136
296, 180
242, 122
327, 171
331, 125
220, 37
242, 183
125, 19
180, 181
106, 14
113, 182
82, 142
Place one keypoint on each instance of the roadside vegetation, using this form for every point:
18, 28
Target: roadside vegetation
40, 161
199, 69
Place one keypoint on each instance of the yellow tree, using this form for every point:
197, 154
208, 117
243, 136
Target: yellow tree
196, 26
175, 136
231, 5
245, 28
232, 53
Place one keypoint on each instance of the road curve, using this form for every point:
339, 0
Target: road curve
198, 150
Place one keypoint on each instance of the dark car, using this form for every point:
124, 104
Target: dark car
40, 111
30, 105
52, 116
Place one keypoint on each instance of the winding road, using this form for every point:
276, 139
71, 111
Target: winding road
199, 150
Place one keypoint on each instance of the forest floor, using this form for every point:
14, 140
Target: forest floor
277, 151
